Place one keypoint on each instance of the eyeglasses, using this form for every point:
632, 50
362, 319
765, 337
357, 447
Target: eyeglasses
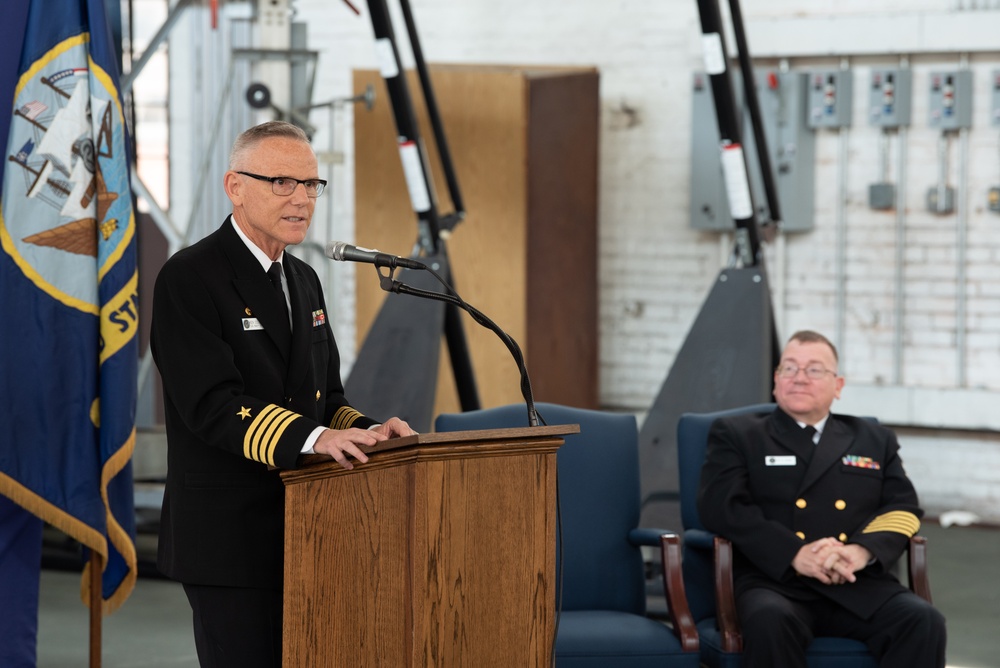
812, 372
286, 185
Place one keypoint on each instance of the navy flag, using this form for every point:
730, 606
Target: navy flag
68, 290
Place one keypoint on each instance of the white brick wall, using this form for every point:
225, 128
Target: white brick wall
953, 470
654, 271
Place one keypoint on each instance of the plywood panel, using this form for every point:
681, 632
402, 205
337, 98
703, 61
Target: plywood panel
488, 117
562, 226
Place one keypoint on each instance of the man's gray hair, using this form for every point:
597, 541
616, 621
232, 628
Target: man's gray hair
250, 138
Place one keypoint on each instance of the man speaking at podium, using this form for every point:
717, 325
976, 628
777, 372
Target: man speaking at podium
251, 379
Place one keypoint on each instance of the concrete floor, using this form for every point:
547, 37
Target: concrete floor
153, 628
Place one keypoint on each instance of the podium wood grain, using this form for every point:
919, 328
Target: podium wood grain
439, 551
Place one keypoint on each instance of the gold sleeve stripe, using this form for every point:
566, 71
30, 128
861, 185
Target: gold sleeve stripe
248, 436
344, 418
897, 521
254, 436
265, 432
273, 434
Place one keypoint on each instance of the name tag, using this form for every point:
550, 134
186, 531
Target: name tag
782, 460
250, 324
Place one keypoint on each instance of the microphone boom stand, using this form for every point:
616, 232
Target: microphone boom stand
390, 284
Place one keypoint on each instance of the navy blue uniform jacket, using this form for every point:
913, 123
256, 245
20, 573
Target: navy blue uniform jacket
241, 395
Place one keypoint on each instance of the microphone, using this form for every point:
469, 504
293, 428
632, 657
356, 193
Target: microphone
338, 250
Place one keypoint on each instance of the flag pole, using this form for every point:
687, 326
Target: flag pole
96, 569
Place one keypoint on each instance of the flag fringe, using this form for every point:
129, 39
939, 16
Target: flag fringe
84, 533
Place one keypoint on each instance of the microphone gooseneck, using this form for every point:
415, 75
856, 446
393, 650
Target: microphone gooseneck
342, 251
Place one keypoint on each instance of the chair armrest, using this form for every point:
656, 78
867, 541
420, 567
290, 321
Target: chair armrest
725, 597
699, 539
673, 589
917, 571
646, 536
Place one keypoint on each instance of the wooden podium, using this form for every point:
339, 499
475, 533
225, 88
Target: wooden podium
439, 551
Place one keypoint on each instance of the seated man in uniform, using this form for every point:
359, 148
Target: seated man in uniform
818, 508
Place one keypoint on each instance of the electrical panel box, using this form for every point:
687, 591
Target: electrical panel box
882, 196
790, 145
891, 94
995, 95
830, 97
940, 200
951, 100
993, 199
709, 204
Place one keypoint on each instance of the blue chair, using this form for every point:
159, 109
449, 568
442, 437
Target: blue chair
707, 565
602, 588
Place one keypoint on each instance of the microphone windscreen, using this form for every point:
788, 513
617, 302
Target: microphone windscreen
335, 250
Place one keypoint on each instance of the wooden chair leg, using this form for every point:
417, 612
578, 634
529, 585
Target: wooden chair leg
917, 572
673, 585
725, 598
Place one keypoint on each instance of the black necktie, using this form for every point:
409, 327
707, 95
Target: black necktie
810, 433
274, 273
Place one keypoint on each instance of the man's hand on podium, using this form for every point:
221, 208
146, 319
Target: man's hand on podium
341, 444
393, 427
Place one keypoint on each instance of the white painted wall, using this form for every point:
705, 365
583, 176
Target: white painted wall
654, 271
